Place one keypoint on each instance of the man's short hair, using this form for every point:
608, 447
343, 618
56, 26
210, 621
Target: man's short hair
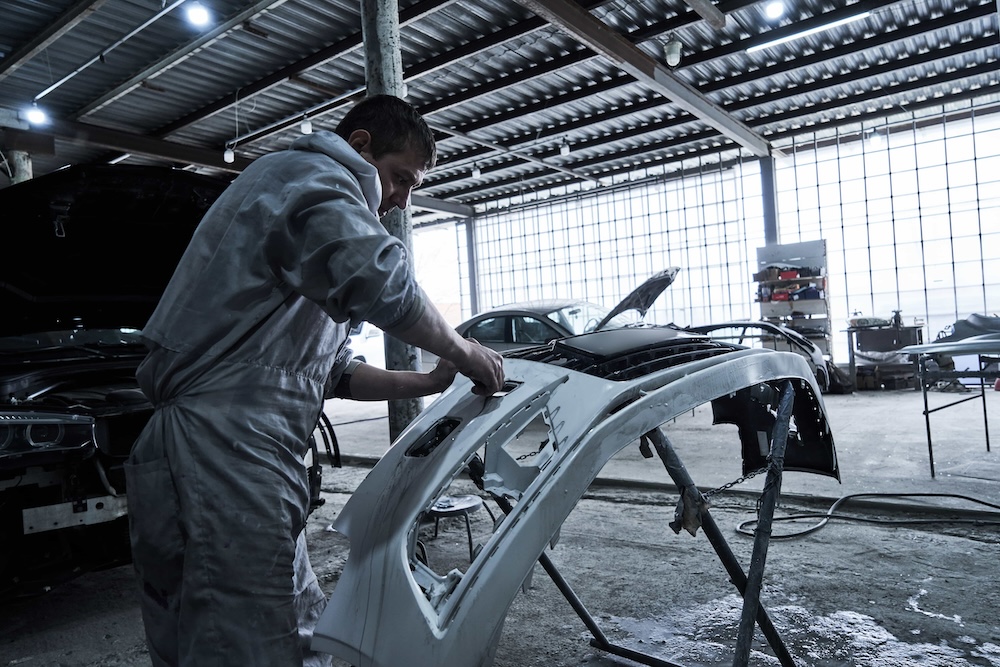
394, 126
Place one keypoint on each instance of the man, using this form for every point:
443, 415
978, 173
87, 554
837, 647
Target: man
247, 340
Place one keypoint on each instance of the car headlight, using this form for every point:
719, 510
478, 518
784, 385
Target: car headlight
23, 433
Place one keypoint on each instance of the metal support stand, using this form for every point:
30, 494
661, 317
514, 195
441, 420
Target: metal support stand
748, 586
762, 535
928, 377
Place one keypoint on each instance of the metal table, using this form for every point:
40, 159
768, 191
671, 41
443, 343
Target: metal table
986, 348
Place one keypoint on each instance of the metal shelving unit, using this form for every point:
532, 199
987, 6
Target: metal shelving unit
791, 289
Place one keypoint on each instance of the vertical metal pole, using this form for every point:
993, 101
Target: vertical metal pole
384, 75
927, 413
762, 535
769, 192
982, 394
471, 258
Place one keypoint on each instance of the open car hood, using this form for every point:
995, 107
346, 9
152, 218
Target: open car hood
93, 246
643, 296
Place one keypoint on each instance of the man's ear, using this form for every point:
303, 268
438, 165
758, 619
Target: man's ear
360, 140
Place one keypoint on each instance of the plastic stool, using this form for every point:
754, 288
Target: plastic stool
447, 506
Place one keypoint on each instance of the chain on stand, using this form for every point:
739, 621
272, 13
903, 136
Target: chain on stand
737, 481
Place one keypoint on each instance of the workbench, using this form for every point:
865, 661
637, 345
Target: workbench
888, 338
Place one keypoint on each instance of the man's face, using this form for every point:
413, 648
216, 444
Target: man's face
399, 174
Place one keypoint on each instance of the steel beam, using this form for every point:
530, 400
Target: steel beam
582, 25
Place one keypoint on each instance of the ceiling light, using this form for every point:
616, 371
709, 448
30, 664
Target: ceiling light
228, 156
774, 9
672, 52
810, 31
197, 14
564, 148
476, 172
306, 127
875, 139
36, 116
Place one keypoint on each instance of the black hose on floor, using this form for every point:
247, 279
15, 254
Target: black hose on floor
746, 527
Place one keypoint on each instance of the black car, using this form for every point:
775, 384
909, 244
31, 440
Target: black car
87, 252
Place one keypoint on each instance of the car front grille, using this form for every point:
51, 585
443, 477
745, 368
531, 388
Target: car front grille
626, 364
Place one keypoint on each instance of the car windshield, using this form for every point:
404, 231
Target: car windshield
584, 317
70, 339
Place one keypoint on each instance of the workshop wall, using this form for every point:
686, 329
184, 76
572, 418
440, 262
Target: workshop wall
911, 223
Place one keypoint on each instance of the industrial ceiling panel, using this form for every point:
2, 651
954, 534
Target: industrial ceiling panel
505, 85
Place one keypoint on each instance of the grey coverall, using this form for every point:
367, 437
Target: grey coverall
246, 335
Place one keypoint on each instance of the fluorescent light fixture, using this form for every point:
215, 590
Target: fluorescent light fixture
811, 31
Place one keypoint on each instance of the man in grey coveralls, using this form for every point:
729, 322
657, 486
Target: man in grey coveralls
245, 344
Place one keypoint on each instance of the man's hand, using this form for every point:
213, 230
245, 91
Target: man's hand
484, 367
480, 364
443, 374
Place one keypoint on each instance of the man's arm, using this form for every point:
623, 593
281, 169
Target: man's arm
371, 383
480, 364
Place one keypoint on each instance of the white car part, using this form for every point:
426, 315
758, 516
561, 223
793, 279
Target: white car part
593, 394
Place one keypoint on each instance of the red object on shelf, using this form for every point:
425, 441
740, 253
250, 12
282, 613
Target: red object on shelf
780, 296
788, 275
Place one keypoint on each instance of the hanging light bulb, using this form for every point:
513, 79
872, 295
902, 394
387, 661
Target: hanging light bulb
306, 127
564, 148
198, 15
672, 52
36, 116
229, 156
476, 172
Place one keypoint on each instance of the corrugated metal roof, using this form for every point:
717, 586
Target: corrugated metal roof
503, 87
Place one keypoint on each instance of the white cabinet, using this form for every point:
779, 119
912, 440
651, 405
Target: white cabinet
791, 289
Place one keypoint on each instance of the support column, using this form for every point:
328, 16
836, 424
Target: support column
384, 75
20, 163
470, 258
769, 192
